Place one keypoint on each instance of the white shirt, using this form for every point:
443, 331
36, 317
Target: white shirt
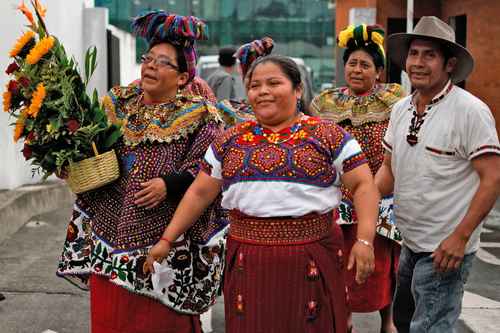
434, 180
271, 195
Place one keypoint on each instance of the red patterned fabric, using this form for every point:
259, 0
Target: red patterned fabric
292, 289
303, 153
115, 310
376, 293
279, 230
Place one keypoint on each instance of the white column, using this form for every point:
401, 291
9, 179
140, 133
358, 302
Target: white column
405, 81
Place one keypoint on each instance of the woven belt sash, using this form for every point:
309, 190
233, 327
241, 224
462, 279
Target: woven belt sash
279, 230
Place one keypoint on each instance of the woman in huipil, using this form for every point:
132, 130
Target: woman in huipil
280, 176
166, 131
362, 108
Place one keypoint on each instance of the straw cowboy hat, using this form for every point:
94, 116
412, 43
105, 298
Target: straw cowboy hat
432, 28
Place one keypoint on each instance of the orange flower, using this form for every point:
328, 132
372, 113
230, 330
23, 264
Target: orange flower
40, 9
18, 131
302, 134
37, 100
274, 137
21, 42
22, 7
41, 48
7, 99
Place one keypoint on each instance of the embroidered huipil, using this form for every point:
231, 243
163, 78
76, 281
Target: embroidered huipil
434, 178
366, 118
290, 173
110, 235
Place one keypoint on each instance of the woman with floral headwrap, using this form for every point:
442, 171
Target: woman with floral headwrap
166, 131
362, 108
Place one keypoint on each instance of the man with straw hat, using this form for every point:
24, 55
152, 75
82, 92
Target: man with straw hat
442, 162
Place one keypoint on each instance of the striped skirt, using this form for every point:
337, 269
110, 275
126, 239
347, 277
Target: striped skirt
284, 275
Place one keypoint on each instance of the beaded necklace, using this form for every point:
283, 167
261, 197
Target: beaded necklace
418, 119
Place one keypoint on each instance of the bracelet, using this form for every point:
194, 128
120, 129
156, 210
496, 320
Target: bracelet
365, 242
166, 240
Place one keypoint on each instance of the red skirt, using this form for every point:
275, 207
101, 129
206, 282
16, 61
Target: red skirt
377, 292
116, 310
295, 288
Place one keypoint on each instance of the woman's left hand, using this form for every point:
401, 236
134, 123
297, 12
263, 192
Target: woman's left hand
153, 192
363, 256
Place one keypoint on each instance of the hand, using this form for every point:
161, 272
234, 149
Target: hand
450, 253
364, 258
157, 253
153, 192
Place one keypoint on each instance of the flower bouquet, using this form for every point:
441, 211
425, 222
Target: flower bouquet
63, 128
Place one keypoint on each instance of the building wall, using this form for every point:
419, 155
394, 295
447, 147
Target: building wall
343, 7
483, 31
397, 9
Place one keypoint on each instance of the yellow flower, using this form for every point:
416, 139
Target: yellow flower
18, 131
302, 134
37, 100
41, 48
248, 137
21, 42
274, 137
7, 98
22, 7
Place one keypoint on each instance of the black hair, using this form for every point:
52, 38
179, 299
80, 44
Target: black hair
371, 48
286, 64
226, 56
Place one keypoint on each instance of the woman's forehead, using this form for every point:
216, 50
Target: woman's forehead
267, 70
163, 49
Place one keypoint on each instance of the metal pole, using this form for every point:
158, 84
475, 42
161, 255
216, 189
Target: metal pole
405, 81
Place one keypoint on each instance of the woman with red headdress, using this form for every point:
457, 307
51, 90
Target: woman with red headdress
166, 131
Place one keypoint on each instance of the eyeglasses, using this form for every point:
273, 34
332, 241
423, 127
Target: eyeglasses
160, 62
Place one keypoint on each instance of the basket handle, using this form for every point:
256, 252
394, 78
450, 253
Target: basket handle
94, 148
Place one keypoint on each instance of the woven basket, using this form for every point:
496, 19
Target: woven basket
93, 172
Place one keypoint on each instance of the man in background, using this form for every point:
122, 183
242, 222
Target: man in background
223, 80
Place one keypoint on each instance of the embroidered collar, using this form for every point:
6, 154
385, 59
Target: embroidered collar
339, 104
436, 99
252, 133
163, 122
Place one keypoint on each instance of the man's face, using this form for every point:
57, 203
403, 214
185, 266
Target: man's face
426, 68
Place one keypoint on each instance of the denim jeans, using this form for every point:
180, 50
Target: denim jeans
427, 301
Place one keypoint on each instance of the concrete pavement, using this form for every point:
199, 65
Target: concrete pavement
39, 302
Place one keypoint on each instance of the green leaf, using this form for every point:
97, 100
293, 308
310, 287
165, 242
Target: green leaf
87, 66
112, 138
122, 276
